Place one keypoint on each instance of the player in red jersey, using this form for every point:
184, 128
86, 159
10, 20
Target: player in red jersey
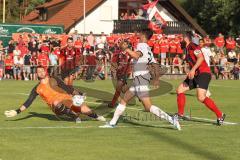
69, 65
122, 61
198, 77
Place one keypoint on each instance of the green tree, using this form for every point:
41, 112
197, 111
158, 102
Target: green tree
13, 9
215, 15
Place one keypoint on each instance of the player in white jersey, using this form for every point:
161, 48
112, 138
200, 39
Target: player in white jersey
207, 53
142, 57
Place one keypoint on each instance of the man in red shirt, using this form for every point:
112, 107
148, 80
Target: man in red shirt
156, 50
230, 44
69, 65
43, 59
122, 66
198, 78
220, 42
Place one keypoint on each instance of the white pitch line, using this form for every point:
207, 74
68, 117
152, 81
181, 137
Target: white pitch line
211, 120
86, 127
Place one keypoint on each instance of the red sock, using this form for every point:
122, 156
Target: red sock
115, 97
212, 106
181, 100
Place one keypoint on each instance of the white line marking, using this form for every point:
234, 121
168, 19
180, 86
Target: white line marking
223, 86
211, 120
86, 127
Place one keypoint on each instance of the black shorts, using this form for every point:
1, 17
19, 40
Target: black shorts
200, 81
9, 71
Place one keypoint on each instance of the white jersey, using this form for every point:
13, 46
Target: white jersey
140, 65
207, 53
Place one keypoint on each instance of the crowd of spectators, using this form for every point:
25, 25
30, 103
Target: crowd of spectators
25, 51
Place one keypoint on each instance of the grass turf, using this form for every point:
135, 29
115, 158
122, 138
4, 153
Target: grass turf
37, 134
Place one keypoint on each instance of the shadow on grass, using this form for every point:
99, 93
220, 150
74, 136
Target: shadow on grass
187, 94
147, 125
50, 117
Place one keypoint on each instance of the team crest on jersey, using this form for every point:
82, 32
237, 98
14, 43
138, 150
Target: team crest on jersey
197, 52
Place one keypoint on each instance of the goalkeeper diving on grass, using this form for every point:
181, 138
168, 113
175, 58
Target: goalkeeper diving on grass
61, 98
142, 59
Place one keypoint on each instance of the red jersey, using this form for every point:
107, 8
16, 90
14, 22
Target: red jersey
57, 52
179, 48
172, 47
164, 47
91, 60
156, 48
34, 59
219, 42
43, 59
68, 56
8, 63
123, 60
45, 49
193, 51
230, 44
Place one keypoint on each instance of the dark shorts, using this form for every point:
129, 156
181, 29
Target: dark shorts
68, 73
200, 81
172, 55
9, 71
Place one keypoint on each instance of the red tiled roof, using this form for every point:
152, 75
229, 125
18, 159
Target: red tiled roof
69, 15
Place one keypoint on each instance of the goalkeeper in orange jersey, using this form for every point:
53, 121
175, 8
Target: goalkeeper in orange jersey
59, 98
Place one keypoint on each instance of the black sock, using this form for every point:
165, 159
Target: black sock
93, 115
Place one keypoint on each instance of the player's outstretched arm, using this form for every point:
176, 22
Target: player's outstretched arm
27, 103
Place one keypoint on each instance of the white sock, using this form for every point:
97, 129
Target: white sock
160, 113
118, 112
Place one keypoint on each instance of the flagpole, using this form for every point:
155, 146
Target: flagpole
4, 10
84, 16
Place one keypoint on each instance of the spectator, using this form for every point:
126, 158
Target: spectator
207, 41
91, 61
122, 16
164, 50
1, 47
220, 42
91, 41
125, 16
9, 67
75, 35
33, 66
11, 46
230, 44
177, 63
17, 69
236, 71
53, 64
133, 16
172, 51
1, 67
26, 67
232, 57
16, 52
223, 66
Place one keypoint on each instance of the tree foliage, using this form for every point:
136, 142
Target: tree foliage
13, 9
215, 15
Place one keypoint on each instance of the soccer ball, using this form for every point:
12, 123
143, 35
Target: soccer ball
78, 100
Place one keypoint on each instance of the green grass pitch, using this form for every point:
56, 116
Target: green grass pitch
38, 135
